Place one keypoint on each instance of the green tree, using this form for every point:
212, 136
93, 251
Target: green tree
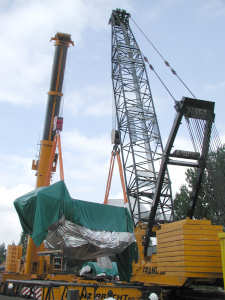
2, 253
211, 199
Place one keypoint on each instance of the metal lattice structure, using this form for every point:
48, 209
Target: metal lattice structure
140, 141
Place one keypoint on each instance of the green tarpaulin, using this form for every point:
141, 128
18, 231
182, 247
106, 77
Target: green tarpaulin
96, 269
43, 207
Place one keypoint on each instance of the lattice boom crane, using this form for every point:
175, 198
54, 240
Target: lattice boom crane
137, 126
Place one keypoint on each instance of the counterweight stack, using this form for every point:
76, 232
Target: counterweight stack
139, 140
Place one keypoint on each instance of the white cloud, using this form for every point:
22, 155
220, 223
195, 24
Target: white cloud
97, 146
91, 101
15, 170
10, 228
26, 27
16, 179
216, 86
177, 177
183, 143
86, 164
215, 8
177, 173
158, 8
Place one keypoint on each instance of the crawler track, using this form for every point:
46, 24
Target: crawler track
197, 294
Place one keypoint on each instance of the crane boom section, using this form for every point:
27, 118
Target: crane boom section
62, 42
140, 140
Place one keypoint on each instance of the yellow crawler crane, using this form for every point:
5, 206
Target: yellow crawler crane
184, 252
187, 254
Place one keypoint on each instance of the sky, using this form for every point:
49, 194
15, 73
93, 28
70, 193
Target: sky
189, 34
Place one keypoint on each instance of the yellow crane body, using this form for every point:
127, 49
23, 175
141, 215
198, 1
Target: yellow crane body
187, 249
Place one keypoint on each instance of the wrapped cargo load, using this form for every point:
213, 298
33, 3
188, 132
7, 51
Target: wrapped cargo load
83, 230
95, 269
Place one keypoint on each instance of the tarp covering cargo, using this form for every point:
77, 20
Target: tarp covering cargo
81, 229
95, 269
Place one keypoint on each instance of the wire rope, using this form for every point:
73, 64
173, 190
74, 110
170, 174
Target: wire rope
196, 133
163, 58
160, 79
196, 127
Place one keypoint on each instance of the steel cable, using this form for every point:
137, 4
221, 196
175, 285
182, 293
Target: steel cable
163, 58
197, 130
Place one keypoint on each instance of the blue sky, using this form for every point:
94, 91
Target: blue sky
189, 34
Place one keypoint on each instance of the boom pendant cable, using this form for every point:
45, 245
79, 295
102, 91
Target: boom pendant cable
197, 130
159, 78
164, 60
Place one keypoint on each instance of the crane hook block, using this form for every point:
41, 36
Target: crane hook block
115, 137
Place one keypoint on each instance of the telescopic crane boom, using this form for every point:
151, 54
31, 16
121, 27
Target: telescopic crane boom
62, 42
